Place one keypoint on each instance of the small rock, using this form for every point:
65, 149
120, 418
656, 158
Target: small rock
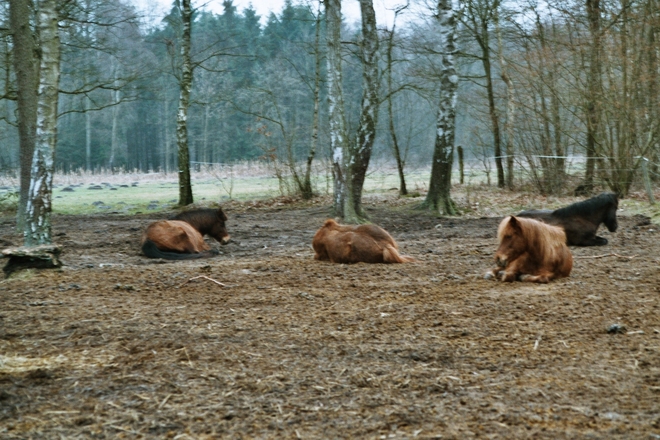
616, 328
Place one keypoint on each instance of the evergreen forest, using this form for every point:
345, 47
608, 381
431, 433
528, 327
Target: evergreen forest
561, 95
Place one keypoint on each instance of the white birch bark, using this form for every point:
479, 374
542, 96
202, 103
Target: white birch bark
185, 188
39, 203
438, 198
360, 154
336, 112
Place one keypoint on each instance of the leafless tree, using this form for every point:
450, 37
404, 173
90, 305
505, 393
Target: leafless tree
438, 199
39, 203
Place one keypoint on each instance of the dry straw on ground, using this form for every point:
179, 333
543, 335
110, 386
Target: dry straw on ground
265, 342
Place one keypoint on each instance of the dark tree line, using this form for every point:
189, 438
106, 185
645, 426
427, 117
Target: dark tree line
538, 87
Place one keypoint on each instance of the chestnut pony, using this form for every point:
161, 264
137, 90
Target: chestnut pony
530, 251
354, 244
581, 220
182, 237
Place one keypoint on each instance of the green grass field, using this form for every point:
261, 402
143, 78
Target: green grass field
132, 193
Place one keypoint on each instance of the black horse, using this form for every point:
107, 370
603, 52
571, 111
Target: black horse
582, 219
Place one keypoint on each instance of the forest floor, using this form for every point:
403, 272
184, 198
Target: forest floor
265, 342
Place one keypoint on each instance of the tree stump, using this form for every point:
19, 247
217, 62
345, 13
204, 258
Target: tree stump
43, 256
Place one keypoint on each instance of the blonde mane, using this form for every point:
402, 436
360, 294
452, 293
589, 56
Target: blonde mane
545, 241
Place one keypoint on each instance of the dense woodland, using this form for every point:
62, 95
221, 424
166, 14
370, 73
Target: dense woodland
556, 94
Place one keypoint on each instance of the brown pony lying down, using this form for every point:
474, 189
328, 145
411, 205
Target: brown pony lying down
182, 237
531, 251
354, 244
174, 240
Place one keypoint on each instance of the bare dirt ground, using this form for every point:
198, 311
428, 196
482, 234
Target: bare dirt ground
115, 345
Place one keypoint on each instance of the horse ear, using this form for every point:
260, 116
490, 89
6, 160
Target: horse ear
514, 222
222, 214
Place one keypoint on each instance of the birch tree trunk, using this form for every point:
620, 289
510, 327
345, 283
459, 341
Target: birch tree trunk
438, 198
360, 154
26, 67
38, 209
336, 111
185, 188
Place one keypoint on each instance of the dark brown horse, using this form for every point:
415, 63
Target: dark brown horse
182, 237
354, 244
530, 251
581, 220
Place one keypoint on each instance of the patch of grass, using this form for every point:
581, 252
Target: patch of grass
153, 196
135, 193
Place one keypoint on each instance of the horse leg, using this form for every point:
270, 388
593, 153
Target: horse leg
591, 240
543, 279
511, 272
496, 273
508, 276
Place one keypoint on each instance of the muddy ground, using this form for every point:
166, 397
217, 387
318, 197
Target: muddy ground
114, 345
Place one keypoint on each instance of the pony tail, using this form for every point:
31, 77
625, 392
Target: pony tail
391, 255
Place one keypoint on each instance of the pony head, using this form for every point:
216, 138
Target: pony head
207, 221
218, 229
610, 213
512, 240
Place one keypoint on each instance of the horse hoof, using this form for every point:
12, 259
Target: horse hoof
489, 276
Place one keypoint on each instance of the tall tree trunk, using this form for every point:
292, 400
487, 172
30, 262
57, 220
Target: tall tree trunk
546, 158
306, 190
185, 187
560, 161
166, 129
400, 163
492, 108
336, 111
88, 134
114, 140
593, 93
510, 106
203, 157
360, 155
653, 93
39, 205
26, 67
438, 198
